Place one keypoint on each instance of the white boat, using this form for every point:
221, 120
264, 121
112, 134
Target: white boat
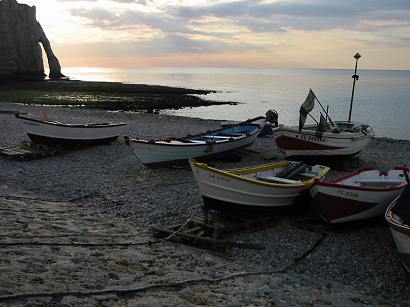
44, 131
259, 187
359, 195
326, 137
345, 139
214, 143
398, 219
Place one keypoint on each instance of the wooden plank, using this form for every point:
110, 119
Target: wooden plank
28, 151
200, 233
211, 241
192, 230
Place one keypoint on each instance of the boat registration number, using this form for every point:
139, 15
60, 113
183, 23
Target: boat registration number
348, 193
219, 178
314, 138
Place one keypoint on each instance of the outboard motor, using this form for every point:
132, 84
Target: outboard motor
357, 128
272, 117
335, 129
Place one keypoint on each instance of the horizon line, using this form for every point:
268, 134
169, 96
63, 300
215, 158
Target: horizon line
226, 68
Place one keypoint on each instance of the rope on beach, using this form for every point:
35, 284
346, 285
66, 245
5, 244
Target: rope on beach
66, 235
26, 197
178, 284
406, 282
310, 250
74, 199
144, 169
151, 242
163, 185
77, 244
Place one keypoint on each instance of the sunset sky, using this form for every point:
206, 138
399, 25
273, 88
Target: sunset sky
226, 33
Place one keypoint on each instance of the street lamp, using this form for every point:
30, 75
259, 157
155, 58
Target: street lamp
355, 77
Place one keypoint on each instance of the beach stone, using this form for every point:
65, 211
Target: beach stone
20, 38
72, 301
33, 302
105, 297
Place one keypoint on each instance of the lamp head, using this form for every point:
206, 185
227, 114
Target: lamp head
357, 56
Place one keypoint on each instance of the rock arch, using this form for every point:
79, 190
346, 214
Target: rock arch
20, 38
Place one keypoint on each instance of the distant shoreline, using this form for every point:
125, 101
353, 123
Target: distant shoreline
114, 96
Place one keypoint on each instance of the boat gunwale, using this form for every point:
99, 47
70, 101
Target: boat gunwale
402, 228
202, 143
303, 184
91, 125
335, 183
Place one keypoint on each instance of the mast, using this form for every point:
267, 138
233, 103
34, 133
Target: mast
355, 77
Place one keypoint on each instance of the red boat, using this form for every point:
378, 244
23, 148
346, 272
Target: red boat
360, 195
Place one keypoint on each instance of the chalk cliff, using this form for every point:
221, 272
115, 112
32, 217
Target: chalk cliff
20, 38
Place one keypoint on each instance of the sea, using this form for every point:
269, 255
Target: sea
381, 97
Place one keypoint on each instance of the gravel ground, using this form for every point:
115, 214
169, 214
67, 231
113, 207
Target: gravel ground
45, 261
350, 265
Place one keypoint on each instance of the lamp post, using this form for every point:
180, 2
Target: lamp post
355, 77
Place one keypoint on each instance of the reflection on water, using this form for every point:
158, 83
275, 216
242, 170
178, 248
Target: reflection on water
381, 97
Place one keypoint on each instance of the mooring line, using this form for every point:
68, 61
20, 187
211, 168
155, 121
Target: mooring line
178, 284
66, 235
310, 250
76, 244
151, 242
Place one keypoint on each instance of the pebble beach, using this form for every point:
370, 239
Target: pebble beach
93, 208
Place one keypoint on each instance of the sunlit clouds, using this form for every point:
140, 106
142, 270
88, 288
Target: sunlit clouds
244, 33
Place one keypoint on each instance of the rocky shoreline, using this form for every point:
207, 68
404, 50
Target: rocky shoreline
114, 96
93, 194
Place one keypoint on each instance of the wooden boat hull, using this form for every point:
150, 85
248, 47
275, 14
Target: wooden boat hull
51, 133
401, 235
66, 142
218, 187
339, 203
306, 143
160, 154
163, 153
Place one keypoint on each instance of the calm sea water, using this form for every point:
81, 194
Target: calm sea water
382, 98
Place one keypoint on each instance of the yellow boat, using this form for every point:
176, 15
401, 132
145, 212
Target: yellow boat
264, 186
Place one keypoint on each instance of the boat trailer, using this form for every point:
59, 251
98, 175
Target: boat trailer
29, 151
208, 229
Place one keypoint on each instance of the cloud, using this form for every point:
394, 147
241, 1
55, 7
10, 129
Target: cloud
142, 2
170, 44
211, 27
304, 15
102, 18
256, 16
318, 8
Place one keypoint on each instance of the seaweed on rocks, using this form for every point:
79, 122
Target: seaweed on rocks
103, 95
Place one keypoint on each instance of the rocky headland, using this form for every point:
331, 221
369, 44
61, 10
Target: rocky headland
20, 38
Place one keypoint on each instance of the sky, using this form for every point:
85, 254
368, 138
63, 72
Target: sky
227, 33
